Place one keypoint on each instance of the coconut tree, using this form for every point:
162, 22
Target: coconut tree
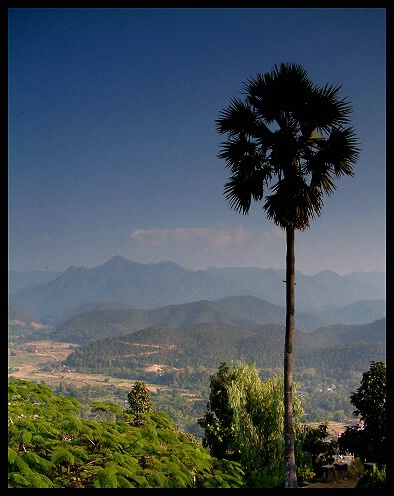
288, 140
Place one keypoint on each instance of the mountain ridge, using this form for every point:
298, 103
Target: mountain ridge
236, 310
148, 286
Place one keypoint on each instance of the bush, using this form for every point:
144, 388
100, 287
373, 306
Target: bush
373, 479
271, 477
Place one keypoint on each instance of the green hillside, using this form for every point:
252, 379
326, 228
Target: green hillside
360, 312
101, 323
206, 345
369, 333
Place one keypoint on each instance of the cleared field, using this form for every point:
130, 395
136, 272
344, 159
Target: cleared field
333, 428
26, 361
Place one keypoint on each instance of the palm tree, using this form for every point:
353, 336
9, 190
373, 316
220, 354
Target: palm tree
289, 138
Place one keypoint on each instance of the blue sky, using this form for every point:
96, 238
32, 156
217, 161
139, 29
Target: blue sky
113, 147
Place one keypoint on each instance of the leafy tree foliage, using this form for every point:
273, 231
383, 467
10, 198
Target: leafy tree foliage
373, 479
367, 439
316, 447
244, 422
139, 399
217, 421
370, 398
50, 445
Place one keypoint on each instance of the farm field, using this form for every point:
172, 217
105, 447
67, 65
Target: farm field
27, 360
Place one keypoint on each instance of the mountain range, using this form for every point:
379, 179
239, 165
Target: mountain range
103, 322
122, 282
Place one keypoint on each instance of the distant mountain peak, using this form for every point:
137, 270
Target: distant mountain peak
327, 272
117, 259
152, 285
73, 270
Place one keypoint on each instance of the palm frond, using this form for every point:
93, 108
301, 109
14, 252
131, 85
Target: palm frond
335, 156
237, 118
342, 150
326, 110
241, 189
279, 93
293, 203
236, 152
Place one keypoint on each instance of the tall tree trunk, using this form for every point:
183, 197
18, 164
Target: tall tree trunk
290, 466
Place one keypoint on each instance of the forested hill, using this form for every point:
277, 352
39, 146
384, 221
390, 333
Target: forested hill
237, 310
368, 333
206, 345
15, 314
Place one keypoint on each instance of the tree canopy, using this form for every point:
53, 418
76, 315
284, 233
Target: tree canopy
290, 138
244, 422
139, 399
50, 445
367, 439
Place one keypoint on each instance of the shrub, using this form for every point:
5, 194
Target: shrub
373, 479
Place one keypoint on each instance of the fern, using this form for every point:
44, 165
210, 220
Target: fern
110, 438
126, 461
21, 465
139, 479
124, 483
39, 480
158, 479
38, 441
150, 435
104, 453
167, 436
35, 462
12, 455
71, 425
61, 456
43, 426
26, 437
26, 424
182, 479
78, 450
106, 478
17, 480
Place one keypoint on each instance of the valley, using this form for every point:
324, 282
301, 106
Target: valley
91, 333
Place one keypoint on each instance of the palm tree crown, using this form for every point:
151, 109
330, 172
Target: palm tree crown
288, 137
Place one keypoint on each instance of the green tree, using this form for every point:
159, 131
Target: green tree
291, 138
367, 440
373, 479
217, 420
139, 399
244, 422
315, 444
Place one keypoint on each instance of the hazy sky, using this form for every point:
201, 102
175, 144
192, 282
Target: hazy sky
113, 146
